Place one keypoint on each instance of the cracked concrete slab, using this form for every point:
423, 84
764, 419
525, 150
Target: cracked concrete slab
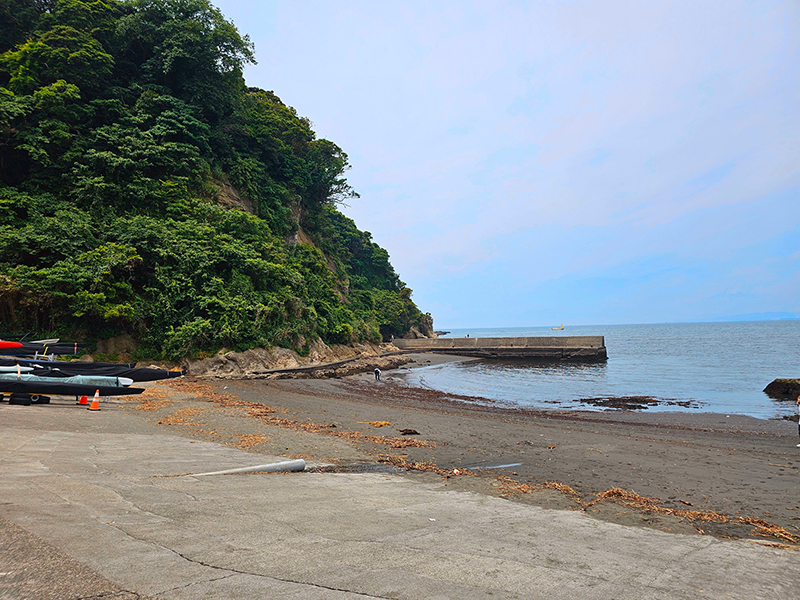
105, 495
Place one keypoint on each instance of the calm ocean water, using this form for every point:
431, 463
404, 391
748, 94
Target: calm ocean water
719, 367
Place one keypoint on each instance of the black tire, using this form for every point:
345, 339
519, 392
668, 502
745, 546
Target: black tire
37, 399
20, 399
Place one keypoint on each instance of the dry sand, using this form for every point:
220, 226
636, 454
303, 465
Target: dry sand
728, 476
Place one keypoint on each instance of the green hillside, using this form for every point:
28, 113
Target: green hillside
146, 190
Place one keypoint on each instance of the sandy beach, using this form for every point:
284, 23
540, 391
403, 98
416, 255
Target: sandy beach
723, 475
409, 493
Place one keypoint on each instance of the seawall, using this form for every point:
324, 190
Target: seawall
577, 348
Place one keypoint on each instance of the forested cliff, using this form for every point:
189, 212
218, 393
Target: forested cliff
145, 190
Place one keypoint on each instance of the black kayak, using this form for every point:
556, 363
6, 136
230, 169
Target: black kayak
49, 368
87, 367
64, 389
34, 348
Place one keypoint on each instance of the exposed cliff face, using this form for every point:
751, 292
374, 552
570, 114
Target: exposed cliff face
415, 334
425, 329
228, 196
255, 362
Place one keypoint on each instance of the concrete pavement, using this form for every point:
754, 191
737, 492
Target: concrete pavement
101, 488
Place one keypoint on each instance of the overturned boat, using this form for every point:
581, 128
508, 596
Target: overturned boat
24, 390
42, 348
48, 368
88, 380
35, 378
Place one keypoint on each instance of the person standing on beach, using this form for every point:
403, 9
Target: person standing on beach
378, 375
798, 418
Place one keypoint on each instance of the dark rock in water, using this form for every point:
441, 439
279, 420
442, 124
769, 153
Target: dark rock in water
783, 389
624, 402
636, 402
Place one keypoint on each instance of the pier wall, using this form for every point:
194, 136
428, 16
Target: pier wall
586, 347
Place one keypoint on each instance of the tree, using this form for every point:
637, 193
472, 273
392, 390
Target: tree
188, 47
61, 53
18, 19
325, 183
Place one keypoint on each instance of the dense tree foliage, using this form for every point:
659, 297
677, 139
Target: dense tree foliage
144, 189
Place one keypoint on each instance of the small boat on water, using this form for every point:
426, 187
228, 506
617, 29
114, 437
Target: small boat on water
558, 328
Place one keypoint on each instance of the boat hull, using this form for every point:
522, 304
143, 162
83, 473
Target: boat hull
88, 368
32, 348
64, 389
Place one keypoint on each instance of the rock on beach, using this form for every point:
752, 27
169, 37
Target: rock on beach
783, 388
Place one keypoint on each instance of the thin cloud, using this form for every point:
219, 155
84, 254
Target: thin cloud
531, 146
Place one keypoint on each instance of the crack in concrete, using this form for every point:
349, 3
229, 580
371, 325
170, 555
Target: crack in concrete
192, 583
683, 558
110, 595
238, 572
191, 496
16, 449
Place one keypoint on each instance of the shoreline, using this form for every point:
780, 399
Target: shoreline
618, 403
677, 472
392, 478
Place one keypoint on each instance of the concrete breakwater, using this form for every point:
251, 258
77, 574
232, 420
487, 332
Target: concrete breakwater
576, 348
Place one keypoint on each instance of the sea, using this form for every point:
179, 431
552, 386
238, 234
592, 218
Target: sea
689, 367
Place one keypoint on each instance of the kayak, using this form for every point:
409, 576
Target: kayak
92, 380
56, 388
31, 348
84, 366
4, 344
48, 368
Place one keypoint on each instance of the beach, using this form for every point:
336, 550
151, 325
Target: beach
407, 493
723, 475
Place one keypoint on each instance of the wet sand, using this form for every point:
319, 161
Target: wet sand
728, 476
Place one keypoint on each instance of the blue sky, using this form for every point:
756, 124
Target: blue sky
537, 163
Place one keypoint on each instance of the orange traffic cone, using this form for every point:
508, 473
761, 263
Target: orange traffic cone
84, 401
95, 401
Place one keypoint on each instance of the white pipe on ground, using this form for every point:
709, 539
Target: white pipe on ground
288, 465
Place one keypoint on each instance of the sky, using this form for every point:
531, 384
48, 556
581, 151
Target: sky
577, 162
